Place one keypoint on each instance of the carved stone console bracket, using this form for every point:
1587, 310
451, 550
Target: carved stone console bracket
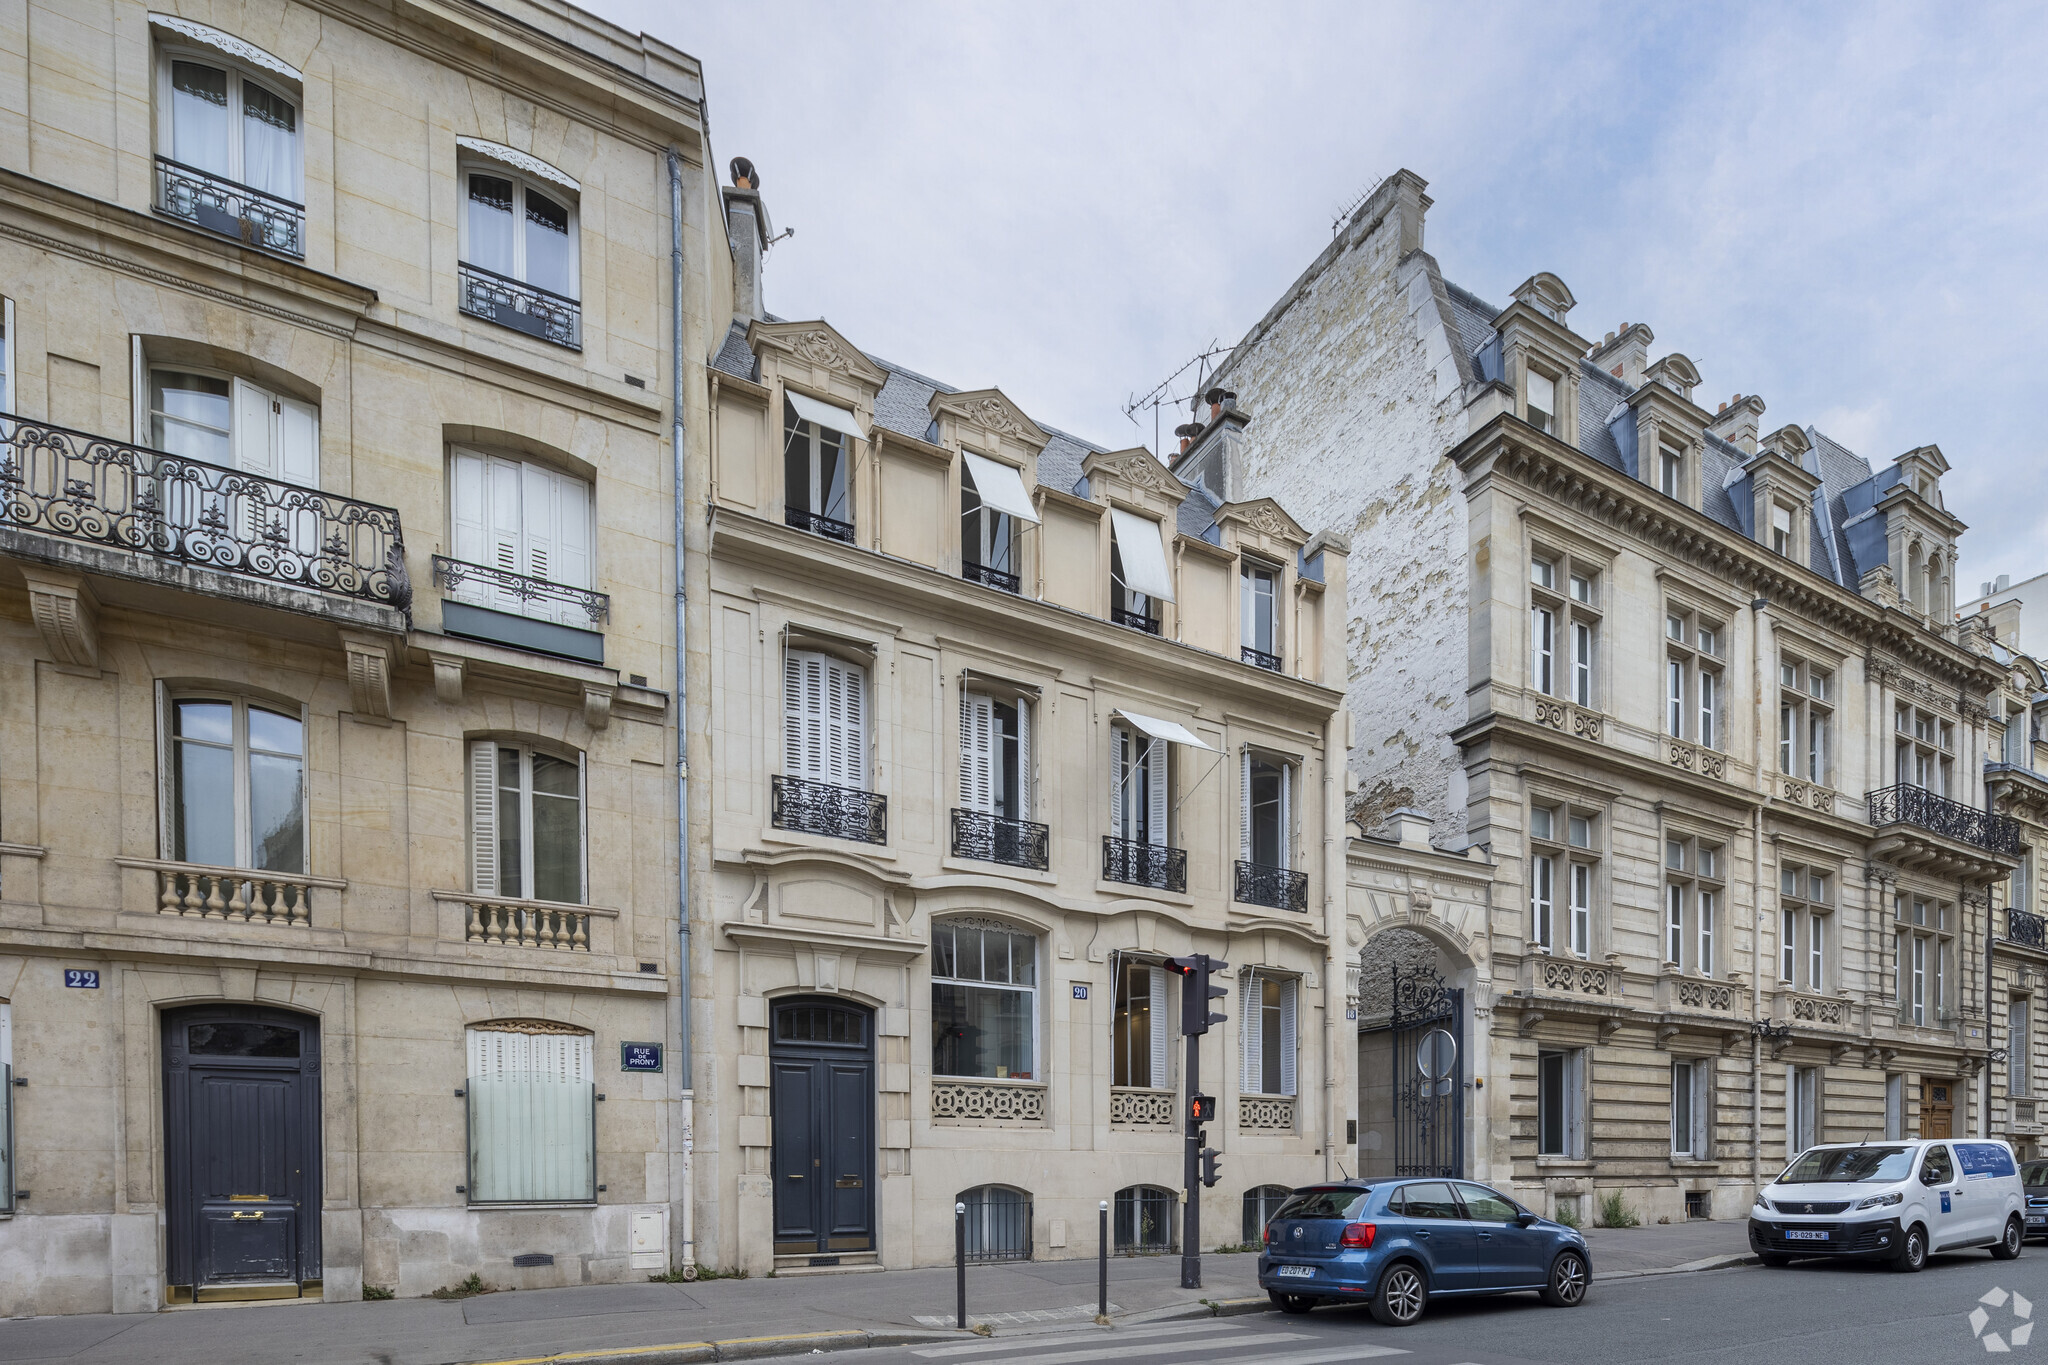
369, 672
597, 705
1530, 1019
448, 670
67, 614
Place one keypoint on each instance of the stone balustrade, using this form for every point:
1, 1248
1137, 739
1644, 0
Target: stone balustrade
237, 895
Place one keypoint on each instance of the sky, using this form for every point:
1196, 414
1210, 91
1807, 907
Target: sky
1840, 208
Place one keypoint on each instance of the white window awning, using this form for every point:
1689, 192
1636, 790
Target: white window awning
824, 414
1000, 486
1143, 554
1170, 731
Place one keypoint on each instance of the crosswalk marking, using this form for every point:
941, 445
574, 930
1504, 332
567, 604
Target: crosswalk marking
1311, 1357
1123, 1334
1119, 1350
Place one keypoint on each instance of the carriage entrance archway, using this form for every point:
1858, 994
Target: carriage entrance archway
1413, 1062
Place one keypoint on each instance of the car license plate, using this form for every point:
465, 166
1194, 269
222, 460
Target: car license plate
1291, 1272
1804, 1235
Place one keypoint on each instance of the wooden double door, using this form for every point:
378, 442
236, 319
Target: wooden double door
1937, 1108
822, 1104
241, 1152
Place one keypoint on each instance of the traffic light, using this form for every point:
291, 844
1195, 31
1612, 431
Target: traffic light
1201, 1109
1212, 1161
1197, 990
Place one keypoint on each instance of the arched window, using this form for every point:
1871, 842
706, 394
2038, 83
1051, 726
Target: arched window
1261, 1202
517, 525
1145, 1220
998, 1224
532, 1113
984, 1000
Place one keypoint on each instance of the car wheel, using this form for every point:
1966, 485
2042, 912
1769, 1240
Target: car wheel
1774, 1260
1400, 1298
2008, 1247
1912, 1256
1568, 1281
1290, 1303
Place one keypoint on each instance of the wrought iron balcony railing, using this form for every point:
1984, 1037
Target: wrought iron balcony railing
1278, 887
818, 524
85, 488
502, 590
2026, 928
993, 839
1136, 620
1140, 864
523, 307
994, 578
797, 803
1259, 658
220, 205
1911, 805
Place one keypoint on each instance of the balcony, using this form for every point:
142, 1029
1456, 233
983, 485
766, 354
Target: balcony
1279, 888
512, 923
993, 578
808, 807
236, 895
540, 313
1141, 864
818, 524
2026, 929
251, 217
485, 603
1265, 1113
992, 839
1134, 620
138, 501
1922, 809
1259, 658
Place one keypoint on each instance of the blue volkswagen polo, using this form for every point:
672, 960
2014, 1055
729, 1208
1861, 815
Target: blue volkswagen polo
1396, 1244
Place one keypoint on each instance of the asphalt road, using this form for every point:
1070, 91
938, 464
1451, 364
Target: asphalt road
1748, 1315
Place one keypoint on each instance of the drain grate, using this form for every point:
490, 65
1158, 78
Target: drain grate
533, 1258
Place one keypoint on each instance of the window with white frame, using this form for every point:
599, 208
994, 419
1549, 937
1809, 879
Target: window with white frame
224, 420
1258, 587
1562, 858
1694, 642
2017, 1041
815, 468
526, 822
2019, 887
1561, 1102
2014, 747
1923, 750
1693, 873
1564, 628
1782, 539
1894, 1107
1140, 787
229, 121
531, 1094
520, 228
1140, 1028
1137, 571
1806, 899
824, 719
1692, 1109
1922, 957
984, 1000
1806, 718
995, 754
1265, 810
1542, 399
1670, 470
524, 518
1802, 1109
235, 792
1266, 1033
987, 536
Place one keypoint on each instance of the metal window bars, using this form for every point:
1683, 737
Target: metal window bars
86, 488
1279, 888
220, 205
1259, 658
797, 803
523, 307
998, 1225
1136, 863
2026, 928
1145, 1220
491, 587
818, 524
994, 839
1135, 620
994, 578
1908, 804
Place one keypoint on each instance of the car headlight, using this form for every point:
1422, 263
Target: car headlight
1763, 1203
1880, 1201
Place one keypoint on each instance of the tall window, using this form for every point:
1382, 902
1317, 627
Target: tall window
2015, 743
1806, 716
1670, 471
526, 822
1560, 1102
1781, 529
7, 399
824, 719
522, 229
1140, 1030
995, 755
1923, 750
1561, 862
227, 421
1692, 902
2017, 1042
984, 1000
1802, 1109
1138, 576
1259, 625
1140, 787
1266, 833
1922, 957
1542, 400
217, 118
1564, 628
814, 467
1266, 1033
237, 785
1693, 644
1692, 1109
1806, 899
986, 536
532, 1116
520, 517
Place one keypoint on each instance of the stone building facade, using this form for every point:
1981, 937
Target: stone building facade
1695, 692
338, 864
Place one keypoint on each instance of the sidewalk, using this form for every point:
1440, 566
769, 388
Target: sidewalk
869, 1309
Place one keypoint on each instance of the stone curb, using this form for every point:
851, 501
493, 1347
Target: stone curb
1704, 1263
737, 1348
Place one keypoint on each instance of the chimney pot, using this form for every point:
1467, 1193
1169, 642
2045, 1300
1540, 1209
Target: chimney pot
1184, 444
743, 174
1723, 408
1607, 340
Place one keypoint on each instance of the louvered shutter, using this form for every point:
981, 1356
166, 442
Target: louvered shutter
298, 442
466, 508
1285, 852
1027, 771
572, 534
1287, 1035
803, 713
1155, 791
502, 529
1119, 770
977, 752
1160, 1031
1244, 806
845, 723
483, 817
538, 496
255, 433
1248, 1033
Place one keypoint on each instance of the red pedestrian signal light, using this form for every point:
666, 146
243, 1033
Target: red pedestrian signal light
1201, 1109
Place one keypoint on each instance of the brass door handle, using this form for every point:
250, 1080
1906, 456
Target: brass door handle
238, 1215
794, 1176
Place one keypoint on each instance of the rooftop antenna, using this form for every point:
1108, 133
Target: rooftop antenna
1161, 395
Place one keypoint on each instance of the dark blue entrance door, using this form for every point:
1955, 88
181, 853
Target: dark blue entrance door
822, 1100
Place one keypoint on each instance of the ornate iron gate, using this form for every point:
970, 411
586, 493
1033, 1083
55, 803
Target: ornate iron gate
1427, 1034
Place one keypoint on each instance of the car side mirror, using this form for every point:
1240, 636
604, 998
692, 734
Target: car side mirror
1525, 1219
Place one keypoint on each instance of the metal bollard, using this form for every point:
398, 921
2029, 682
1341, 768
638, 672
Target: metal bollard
960, 1263
1102, 1261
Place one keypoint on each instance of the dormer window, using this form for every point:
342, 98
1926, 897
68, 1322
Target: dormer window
1138, 577
1781, 529
814, 466
1542, 401
1258, 586
1671, 471
993, 509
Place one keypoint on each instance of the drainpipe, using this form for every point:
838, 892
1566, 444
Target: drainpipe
687, 1099
1756, 882
1335, 762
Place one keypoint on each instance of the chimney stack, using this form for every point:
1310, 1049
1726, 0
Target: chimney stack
1625, 354
1736, 422
747, 229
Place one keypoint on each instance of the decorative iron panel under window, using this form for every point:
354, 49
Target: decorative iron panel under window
1141, 864
993, 839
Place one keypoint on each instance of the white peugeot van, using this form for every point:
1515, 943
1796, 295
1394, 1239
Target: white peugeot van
1895, 1201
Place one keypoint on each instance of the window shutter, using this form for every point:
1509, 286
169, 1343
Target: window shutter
844, 707
298, 442
166, 791
1119, 769
466, 507
1156, 791
1250, 1045
572, 534
538, 520
1287, 1035
483, 817
501, 529
1156, 979
1286, 849
803, 713
1027, 771
255, 434
977, 752
1244, 805
138, 382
